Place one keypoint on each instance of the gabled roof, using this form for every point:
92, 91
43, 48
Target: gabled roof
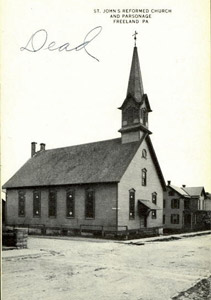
130, 98
179, 190
98, 162
157, 166
146, 100
135, 85
194, 191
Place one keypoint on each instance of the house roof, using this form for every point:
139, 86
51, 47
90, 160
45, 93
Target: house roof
179, 190
194, 191
104, 161
99, 162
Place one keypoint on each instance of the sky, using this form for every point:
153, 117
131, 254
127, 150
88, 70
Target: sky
64, 98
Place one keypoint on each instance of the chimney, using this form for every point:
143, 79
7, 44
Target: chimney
169, 182
42, 147
184, 185
33, 148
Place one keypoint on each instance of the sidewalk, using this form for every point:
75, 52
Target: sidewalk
12, 253
163, 238
9, 254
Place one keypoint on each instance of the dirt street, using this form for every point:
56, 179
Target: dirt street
80, 268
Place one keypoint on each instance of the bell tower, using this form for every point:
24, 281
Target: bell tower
136, 107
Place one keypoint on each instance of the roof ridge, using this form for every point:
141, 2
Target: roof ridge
81, 144
192, 187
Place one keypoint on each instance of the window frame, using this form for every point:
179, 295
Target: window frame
21, 197
144, 177
186, 203
132, 204
154, 214
130, 114
49, 203
164, 219
87, 217
70, 192
37, 193
175, 218
154, 198
144, 153
175, 203
171, 193
144, 116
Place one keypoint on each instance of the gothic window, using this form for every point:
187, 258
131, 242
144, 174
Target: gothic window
144, 153
164, 203
21, 204
144, 116
144, 177
52, 204
154, 198
70, 205
36, 204
132, 204
130, 115
90, 204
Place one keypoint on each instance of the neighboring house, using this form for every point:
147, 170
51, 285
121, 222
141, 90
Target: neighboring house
185, 208
198, 196
176, 200
111, 185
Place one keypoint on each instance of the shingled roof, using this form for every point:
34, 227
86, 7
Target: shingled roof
99, 162
104, 161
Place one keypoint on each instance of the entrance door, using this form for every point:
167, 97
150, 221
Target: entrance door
143, 221
187, 220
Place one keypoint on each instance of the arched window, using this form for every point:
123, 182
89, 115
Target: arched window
132, 204
90, 204
130, 115
21, 204
144, 177
52, 203
154, 198
144, 153
36, 204
70, 204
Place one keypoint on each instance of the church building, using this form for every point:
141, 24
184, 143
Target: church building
107, 186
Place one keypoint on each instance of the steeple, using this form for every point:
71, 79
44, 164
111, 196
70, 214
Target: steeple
135, 84
135, 107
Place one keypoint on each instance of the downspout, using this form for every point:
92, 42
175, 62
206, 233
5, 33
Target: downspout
117, 203
5, 210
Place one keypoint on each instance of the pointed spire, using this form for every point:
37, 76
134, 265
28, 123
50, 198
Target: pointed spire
135, 85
